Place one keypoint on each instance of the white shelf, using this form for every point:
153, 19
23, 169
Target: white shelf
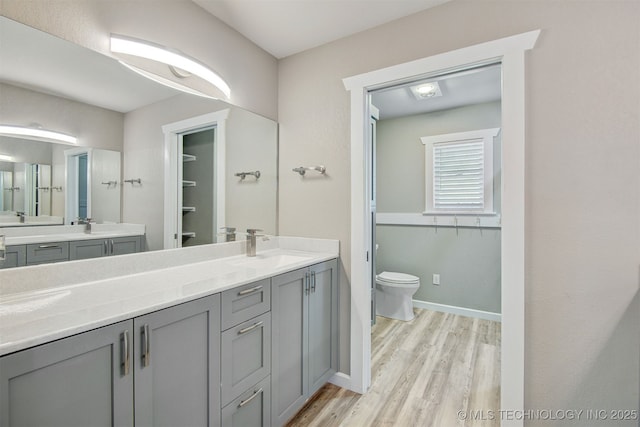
188, 158
186, 183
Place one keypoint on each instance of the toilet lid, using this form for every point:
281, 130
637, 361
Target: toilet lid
393, 277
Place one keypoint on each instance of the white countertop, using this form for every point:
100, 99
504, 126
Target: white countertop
63, 233
33, 317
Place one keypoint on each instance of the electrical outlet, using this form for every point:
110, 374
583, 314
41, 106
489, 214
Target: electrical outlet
436, 279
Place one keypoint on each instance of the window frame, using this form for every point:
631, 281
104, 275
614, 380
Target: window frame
487, 136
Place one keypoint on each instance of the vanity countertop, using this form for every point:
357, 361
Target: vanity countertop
62, 233
42, 314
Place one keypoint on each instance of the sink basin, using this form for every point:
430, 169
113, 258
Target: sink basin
274, 261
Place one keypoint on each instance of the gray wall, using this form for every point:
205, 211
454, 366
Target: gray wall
467, 259
582, 236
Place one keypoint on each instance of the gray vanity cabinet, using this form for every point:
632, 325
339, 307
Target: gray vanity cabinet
304, 336
77, 381
96, 248
176, 365
15, 256
160, 369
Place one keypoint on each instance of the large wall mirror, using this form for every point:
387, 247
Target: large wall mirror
115, 173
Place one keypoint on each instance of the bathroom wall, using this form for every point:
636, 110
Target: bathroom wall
582, 197
467, 259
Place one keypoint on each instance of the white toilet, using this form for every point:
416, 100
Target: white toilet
394, 293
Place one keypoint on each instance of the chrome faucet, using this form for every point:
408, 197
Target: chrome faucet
251, 241
3, 248
22, 216
87, 222
229, 234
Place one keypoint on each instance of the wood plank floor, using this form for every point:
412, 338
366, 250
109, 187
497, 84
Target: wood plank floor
423, 373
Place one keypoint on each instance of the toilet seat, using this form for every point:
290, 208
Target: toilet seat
392, 278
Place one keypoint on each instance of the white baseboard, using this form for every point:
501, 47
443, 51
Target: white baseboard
487, 315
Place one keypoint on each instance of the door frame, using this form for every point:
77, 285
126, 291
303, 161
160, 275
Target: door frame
172, 189
510, 52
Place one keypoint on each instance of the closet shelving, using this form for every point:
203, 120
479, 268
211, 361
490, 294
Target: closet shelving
186, 158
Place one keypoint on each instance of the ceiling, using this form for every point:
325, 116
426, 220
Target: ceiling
286, 27
468, 87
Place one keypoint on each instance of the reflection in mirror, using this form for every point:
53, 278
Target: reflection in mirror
6, 184
110, 108
93, 185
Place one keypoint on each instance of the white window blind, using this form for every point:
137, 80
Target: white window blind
458, 175
459, 172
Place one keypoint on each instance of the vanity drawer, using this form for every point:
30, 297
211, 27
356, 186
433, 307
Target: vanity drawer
39, 253
251, 409
245, 302
245, 356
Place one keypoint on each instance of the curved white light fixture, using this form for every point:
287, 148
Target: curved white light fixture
163, 81
37, 133
155, 52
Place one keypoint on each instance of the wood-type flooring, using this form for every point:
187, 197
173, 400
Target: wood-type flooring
440, 370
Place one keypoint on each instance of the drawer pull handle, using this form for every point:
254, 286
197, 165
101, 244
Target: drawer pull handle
146, 346
250, 328
48, 246
124, 357
250, 291
253, 396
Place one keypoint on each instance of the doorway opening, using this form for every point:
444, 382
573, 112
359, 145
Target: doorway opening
510, 52
435, 191
204, 138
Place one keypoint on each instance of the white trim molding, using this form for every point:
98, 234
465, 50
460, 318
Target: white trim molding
510, 52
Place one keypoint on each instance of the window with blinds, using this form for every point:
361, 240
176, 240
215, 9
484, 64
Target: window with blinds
459, 175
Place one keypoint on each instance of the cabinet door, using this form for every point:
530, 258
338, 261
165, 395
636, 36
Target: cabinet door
251, 409
15, 256
85, 249
289, 379
323, 324
125, 245
246, 356
76, 381
177, 365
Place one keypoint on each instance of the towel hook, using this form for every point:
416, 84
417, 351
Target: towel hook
303, 169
